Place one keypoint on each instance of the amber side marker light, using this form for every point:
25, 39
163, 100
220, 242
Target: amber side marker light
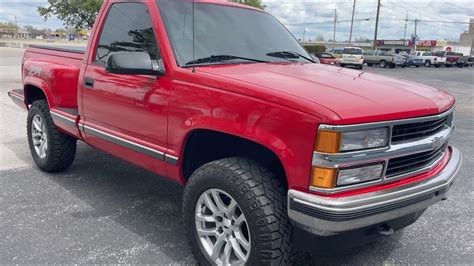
323, 177
328, 141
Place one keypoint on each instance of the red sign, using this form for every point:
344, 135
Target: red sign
431, 43
449, 49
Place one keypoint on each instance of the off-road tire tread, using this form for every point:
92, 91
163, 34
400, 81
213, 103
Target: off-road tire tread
268, 201
61, 147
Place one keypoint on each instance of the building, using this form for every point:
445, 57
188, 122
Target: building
467, 38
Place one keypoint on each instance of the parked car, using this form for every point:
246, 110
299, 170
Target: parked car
413, 60
352, 56
468, 61
429, 59
265, 142
327, 58
449, 59
400, 60
379, 57
337, 52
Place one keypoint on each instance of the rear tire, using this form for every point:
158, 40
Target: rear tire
427, 64
393, 66
438, 65
342, 65
51, 150
260, 197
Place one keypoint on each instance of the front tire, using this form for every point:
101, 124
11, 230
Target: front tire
428, 64
51, 150
383, 64
251, 193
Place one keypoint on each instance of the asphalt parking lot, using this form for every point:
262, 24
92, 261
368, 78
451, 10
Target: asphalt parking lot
104, 210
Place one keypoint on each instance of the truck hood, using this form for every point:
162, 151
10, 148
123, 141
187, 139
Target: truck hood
355, 96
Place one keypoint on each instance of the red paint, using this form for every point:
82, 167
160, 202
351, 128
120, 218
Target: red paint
277, 105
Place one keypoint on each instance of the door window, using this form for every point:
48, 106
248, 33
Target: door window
127, 28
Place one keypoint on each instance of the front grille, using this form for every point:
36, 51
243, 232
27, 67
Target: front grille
418, 130
411, 163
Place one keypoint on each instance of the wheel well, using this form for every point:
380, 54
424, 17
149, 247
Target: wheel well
204, 146
33, 93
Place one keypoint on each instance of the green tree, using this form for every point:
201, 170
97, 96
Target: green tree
77, 14
254, 3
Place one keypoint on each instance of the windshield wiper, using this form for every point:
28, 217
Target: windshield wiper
290, 55
221, 58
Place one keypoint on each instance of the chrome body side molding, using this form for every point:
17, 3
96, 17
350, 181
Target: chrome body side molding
170, 159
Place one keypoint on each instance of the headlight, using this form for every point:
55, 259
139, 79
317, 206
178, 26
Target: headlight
334, 141
366, 139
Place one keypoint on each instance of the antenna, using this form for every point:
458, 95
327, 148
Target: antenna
194, 44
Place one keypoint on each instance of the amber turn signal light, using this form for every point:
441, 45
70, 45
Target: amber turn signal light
323, 177
328, 141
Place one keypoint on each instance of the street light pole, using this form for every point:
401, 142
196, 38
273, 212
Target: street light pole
352, 21
406, 24
16, 28
334, 35
414, 41
377, 24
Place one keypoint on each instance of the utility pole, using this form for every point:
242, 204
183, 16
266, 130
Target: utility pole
377, 24
406, 24
16, 28
304, 34
352, 21
414, 41
335, 22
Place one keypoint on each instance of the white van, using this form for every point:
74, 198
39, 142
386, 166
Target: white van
352, 56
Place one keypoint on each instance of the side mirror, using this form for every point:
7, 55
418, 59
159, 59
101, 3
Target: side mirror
133, 63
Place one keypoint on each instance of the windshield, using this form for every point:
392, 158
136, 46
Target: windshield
239, 34
352, 51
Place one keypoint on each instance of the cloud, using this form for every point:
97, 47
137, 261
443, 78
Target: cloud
316, 18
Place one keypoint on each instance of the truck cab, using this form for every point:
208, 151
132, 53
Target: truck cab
222, 99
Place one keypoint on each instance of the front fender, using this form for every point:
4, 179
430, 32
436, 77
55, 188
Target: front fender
288, 133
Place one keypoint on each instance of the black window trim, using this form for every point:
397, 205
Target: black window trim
97, 43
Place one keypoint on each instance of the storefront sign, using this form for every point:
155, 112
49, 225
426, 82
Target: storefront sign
393, 42
431, 43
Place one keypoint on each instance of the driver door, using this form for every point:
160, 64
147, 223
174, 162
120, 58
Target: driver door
126, 115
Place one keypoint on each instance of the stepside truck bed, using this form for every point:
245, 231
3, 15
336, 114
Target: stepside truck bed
54, 69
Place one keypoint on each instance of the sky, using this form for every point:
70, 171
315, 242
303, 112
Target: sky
315, 18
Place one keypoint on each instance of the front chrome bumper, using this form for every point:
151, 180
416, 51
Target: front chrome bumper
327, 216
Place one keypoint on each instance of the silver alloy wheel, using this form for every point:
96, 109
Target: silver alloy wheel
222, 228
39, 136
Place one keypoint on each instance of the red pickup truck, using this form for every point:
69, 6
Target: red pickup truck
222, 99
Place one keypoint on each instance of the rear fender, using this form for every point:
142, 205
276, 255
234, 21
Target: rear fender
31, 81
58, 82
